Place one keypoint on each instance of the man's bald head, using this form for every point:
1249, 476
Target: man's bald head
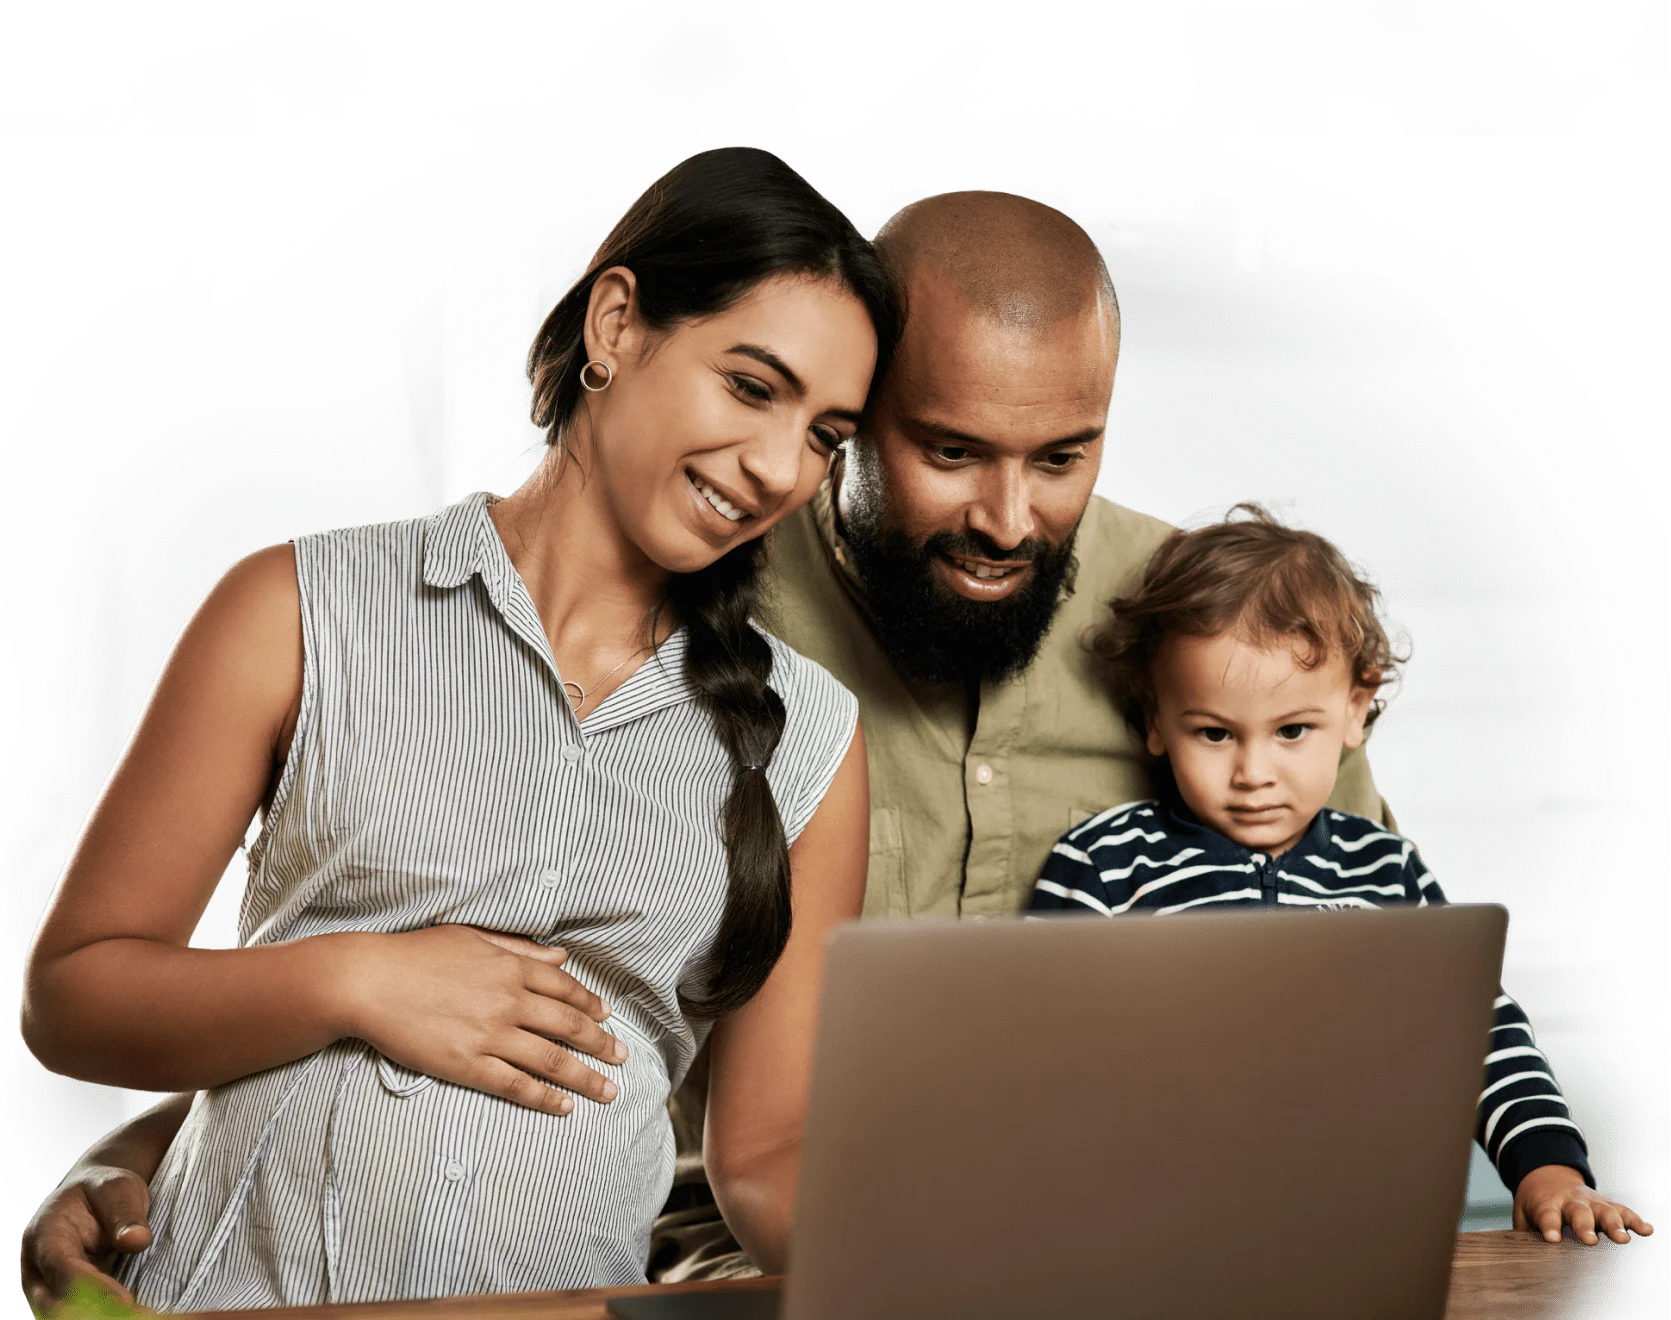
1018, 261
961, 493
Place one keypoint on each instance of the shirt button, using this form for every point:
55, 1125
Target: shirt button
551, 877
571, 753
983, 774
454, 1171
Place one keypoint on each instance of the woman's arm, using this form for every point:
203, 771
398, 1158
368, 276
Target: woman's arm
100, 1209
113, 994
762, 1053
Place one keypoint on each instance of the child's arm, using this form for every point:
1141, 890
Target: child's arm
1524, 1125
114, 994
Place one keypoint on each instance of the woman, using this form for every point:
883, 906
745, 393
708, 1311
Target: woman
533, 788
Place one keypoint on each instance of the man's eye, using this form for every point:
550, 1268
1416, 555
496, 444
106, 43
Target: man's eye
1213, 734
951, 453
1293, 732
748, 386
1063, 458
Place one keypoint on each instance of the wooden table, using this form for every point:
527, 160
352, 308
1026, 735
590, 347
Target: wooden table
1498, 1274
1521, 1275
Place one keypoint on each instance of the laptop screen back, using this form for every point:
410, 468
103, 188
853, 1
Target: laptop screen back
1237, 1114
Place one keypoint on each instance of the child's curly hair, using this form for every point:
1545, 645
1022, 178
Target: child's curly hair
1254, 576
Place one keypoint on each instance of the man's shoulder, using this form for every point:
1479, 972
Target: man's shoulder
804, 604
792, 542
1114, 545
802, 681
799, 576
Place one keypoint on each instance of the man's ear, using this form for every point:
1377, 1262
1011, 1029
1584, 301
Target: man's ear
1153, 740
613, 327
1357, 711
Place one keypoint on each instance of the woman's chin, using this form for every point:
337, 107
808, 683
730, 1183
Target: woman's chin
693, 552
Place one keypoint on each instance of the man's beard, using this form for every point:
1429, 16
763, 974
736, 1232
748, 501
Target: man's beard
934, 635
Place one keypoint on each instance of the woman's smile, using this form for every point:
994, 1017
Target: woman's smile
717, 507
733, 509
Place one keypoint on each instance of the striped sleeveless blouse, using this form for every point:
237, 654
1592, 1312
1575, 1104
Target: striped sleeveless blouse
437, 774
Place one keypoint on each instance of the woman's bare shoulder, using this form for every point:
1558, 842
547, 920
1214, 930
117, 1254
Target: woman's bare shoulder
246, 638
258, 596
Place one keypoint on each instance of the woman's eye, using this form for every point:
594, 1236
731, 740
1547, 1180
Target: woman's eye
827, 437
754, 390
1214, 734
1293, 732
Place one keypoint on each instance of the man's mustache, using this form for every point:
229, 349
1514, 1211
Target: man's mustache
978, 545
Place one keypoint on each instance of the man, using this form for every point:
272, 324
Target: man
945, 573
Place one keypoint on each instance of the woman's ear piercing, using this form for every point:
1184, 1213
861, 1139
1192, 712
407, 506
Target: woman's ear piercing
608, 375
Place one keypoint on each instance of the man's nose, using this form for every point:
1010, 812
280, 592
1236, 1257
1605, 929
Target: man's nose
1004, 511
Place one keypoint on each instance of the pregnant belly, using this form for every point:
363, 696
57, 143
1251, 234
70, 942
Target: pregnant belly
343, 1178
436, 1189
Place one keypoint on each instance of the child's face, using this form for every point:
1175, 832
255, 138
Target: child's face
1254, 738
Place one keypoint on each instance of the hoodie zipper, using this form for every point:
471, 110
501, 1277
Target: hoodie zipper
1267, 881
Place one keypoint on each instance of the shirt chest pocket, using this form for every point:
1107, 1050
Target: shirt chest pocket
885, 881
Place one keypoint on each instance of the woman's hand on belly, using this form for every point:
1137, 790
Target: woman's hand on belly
478, 1008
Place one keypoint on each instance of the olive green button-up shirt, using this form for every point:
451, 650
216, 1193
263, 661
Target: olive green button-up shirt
967, 799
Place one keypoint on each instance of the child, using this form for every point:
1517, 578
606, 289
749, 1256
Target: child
1249, 658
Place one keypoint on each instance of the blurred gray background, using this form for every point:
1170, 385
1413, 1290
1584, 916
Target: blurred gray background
1398, 271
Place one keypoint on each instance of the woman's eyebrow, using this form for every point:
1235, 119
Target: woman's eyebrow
797, 386
768, 358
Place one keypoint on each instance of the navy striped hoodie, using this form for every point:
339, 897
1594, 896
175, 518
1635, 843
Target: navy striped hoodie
1156, 857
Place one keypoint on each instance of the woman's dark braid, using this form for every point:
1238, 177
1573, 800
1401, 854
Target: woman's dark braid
727, 663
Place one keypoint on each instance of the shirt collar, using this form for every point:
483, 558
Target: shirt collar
658, 682
461, 542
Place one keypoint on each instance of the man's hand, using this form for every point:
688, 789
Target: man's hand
97, 1212
1553, 1195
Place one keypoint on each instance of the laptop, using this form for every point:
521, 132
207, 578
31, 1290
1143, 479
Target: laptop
1243, 1114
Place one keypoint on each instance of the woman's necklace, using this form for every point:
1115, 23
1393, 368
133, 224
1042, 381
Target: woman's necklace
577, 695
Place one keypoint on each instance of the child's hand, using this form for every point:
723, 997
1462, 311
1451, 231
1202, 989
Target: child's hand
1553, 1195
489, 1011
